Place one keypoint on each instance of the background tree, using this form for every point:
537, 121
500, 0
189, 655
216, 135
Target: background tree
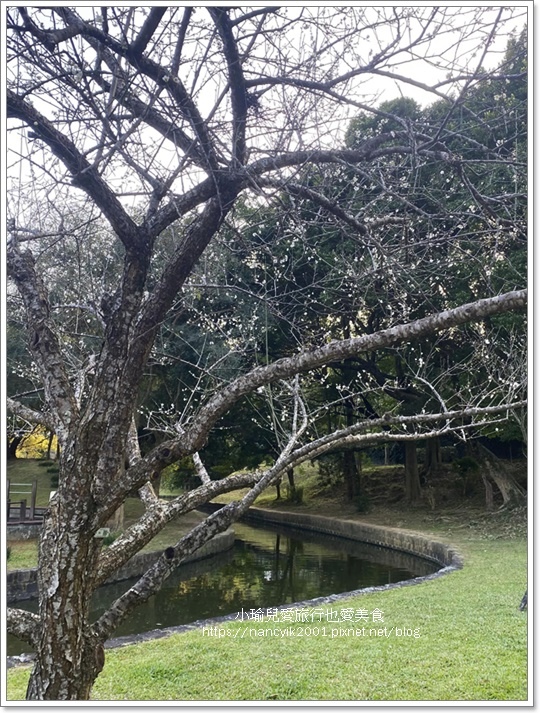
162, 122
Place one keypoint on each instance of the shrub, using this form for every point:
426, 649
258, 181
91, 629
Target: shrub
8, 552
466, 465
179, 476
330, 470
465, 468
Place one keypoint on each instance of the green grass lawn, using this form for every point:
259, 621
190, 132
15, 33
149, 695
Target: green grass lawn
23, 553
472, 645
26, 470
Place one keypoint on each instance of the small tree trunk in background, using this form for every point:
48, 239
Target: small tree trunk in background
494, 469
49, 445
290, 478
489, 491
12, 446
412, 479
278, 489
511, 492
352, 476
433, 456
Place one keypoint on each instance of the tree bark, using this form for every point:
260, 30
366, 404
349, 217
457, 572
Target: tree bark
68, 656
489, 492
290, 478
512, 493
352, 477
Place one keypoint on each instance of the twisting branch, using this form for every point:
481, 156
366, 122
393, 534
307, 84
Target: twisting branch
159, 514
239, 97
44, 341
84, 175
29, 414
339, 350
200, 469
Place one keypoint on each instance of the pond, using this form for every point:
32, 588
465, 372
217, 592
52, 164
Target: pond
268, 566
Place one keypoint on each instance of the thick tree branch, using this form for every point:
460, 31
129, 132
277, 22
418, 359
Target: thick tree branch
195, 437
23, 624
153, 118
218, 522
84, 175
239, 98
338, 350
44, 342
249, 175
29, 414
162, 512
148, 29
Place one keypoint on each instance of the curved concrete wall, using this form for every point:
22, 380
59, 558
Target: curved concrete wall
22, 583
16, 531
389, 537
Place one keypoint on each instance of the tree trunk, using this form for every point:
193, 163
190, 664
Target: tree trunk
489, 491
412, 479
278, 489
494, 468
58, 679
68, 656
433, 456
49, 445
352, 477
292, 485
12, 446
511, 492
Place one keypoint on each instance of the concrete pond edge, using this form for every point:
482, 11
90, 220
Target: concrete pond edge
389, 537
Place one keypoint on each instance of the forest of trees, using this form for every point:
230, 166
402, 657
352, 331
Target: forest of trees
227, 251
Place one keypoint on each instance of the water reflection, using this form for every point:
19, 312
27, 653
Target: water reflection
267, 567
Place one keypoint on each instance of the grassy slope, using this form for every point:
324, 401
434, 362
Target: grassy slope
472, 643
24, 552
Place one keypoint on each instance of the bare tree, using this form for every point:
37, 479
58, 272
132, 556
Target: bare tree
163, 118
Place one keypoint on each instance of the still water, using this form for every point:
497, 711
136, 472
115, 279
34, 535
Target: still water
268, 566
